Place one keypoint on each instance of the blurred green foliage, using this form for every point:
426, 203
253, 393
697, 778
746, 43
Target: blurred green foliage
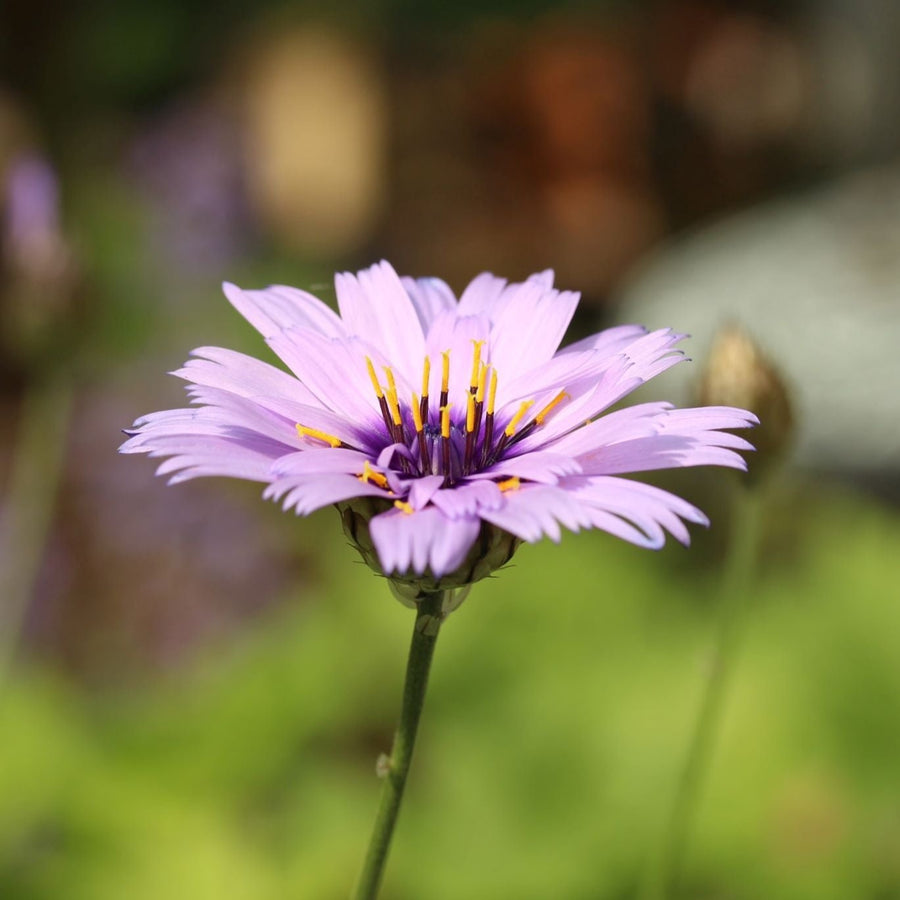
561, 700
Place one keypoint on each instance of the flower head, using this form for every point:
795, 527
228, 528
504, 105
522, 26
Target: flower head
446, 430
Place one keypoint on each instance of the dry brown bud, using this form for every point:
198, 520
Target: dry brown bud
738, 373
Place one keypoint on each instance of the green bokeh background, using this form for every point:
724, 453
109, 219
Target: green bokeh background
562, 695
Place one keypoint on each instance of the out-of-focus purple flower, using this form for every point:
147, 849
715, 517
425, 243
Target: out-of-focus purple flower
190, 165
38, 269
443, 425
32, 238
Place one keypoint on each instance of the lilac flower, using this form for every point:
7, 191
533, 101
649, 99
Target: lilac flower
30, 229
446, 430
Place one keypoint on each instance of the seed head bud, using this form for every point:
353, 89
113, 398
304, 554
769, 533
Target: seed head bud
738, 373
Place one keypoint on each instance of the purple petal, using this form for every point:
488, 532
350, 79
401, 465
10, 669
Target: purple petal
533, 511
468, 499
422, 541
241, 456
421, 490
291, 414
431, 297
225, 372
232, 410
319, 462
512, 294
618, 527
651, 509
611, 340
563, 371
706, 418
544, 279
677, 438
456, 333
334, 370
388, 454
544, 468
481, 294
305, 494
243, 375
662, 451
210, 420
642, 360
527, 330
590, 393
375, 306
621, 425
277, 308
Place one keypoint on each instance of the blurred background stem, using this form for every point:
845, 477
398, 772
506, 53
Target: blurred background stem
394, 769
737, 576
35, 473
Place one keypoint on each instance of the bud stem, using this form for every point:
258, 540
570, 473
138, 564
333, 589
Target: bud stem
737, 576
429, 614
37, 466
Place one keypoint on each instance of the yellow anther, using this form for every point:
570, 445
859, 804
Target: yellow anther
303, 431
476, 362
482, 383
403, 505
392, 385
369, 474
394, 406
445, 371
416, 412
379, 393
445, 421
539, 418
426, 375
470, 414
510, 484
492, 393
511, 428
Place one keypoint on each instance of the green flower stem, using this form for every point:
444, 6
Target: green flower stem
394, 769
34, 477
736, 576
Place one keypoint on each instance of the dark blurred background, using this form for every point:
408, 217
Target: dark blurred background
194, 686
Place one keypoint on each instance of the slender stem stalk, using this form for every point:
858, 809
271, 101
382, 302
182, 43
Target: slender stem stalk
37, 464
737, 574
395, 768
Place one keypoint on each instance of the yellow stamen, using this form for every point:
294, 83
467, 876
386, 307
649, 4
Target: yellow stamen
394, 406
492, 393
369, 474
511, 428
445, 421
445, 371
482, 383
379, 393
392, 385
476, 363
470, 414
416, 412
510, 484
426, 375
402, 504
539, 418
303, 431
